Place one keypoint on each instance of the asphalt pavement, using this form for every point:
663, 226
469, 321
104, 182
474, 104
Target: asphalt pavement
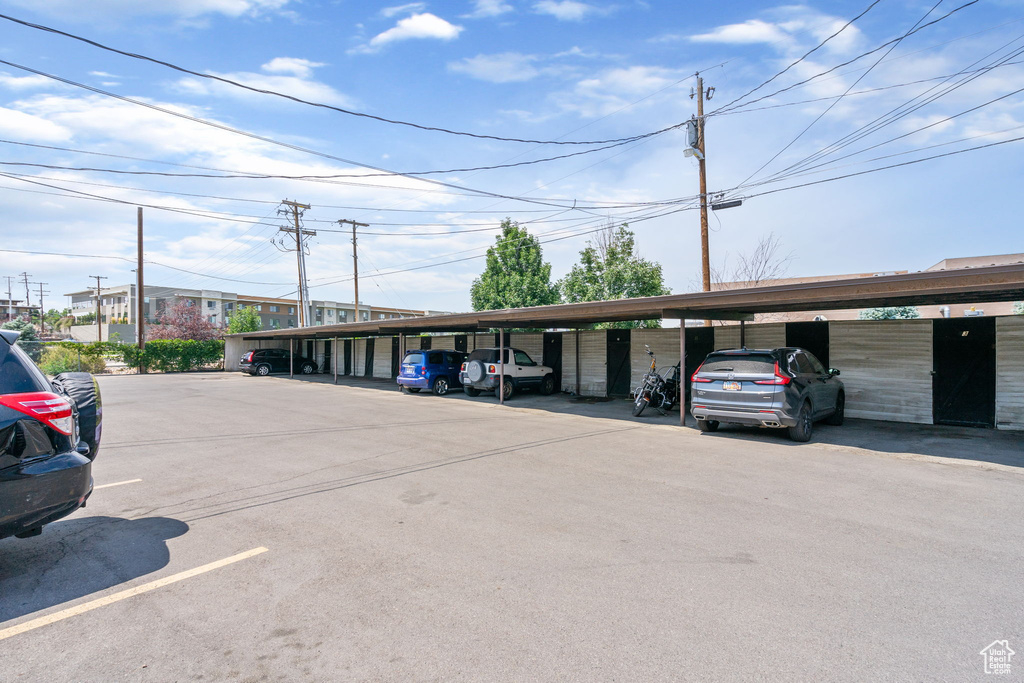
258, 529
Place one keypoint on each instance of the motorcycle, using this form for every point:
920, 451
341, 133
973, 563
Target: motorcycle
660, 391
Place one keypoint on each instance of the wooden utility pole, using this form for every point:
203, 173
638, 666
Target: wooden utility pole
42, 310
99, 324
705, 259
140, 301
355, 261
28, 304
300, 255
10, 295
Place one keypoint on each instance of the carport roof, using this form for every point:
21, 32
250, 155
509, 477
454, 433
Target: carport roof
961, 286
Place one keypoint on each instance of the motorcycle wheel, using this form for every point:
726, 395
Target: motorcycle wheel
640, 404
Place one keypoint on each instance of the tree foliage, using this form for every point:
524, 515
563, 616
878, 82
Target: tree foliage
174, 355
890, 313
245, 320
60, 358
1018, 308
183, 320
611, 268
515, 275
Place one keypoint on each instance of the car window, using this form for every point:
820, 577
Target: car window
414, 357
816, 365
18, 374
739, 362
522, 358
435, 358
803, 365
487, 355
456, 358
277, 353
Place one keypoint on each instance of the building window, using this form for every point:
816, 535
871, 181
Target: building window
275, 324
259, 307
273, 309
330, 312
291, 322
291, 310
343, 315
229, 306
211, 304
213, 319
366, 315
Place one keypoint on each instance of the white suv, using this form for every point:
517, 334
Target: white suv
480, 373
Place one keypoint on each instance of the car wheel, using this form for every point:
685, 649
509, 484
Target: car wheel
508, 389
81, 388
413, 390
470, 391
440, 387
836, 419
707, 425
547, 386
262, 370
801, 432
307, 368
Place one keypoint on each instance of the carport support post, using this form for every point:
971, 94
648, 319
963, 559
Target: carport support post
334, 352
501, 365
291, 357
683, 379
743, 334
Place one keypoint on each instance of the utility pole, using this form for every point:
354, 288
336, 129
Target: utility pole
42, 310
355, 261
99, 325
140, 301
28, 302
296, 210
701, 148
10, 295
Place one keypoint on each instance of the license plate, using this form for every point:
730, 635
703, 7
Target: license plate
731, 386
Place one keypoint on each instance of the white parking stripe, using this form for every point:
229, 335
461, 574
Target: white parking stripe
131, 592
116, 483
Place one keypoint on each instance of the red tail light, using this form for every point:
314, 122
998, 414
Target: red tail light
491, 369
49, 408
463, 367
695, 378
248, 356
779, 378
423, 371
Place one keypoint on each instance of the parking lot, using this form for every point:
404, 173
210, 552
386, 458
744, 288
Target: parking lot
273, 528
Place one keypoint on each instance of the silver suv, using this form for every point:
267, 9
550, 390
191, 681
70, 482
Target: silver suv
785, 387
482, 372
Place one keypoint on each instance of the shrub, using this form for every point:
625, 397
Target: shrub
173, 355
61, 358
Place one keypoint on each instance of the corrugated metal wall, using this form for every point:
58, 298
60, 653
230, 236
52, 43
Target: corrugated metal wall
763, 336
663, 342
886, 367
531, 342
445, 342
1010, 373
358, 357
382, 357
593, 362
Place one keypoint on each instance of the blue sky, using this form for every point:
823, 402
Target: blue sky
539, 70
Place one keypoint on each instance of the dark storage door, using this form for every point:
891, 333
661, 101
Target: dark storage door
461, 343
328, 352
348, 357
508, 339
368, 364
618, 363
553, 356
395, 360
811, 336
700, 341
310, 350
964, 372
425, 342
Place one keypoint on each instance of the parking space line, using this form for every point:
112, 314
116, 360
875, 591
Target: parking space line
131, 592
116, 483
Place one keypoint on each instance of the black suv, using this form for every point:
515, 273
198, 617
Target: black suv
49, 436
785, 387
265, 361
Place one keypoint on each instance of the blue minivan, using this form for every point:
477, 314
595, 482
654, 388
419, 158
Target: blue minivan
434, 369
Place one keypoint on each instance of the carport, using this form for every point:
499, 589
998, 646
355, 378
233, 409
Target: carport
962, 286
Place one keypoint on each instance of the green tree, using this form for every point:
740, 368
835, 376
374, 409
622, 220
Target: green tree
1018, 308
890, 313
611, 268
53, 317
516, 275
28, 340
245, 320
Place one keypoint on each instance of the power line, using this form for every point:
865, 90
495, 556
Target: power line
321, 105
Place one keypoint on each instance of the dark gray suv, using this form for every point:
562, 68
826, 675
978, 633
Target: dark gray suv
785, 387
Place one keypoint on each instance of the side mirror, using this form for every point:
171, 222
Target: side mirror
833, 372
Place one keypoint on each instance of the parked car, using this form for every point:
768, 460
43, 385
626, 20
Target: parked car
786, 387
434, 369
49, 436
480, 372
265, 361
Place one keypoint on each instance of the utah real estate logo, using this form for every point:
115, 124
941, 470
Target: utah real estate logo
997, 657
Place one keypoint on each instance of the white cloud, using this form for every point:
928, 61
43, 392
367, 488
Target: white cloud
24, 82
615, 89
488, 8
417, 26
71, 10
507, 67
19, 125
751, 31
300, 84
410, 8
300, 68
565, 10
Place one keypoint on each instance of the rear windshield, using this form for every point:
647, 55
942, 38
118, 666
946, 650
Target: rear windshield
18, 374
487, 355
414, 357
739, 362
